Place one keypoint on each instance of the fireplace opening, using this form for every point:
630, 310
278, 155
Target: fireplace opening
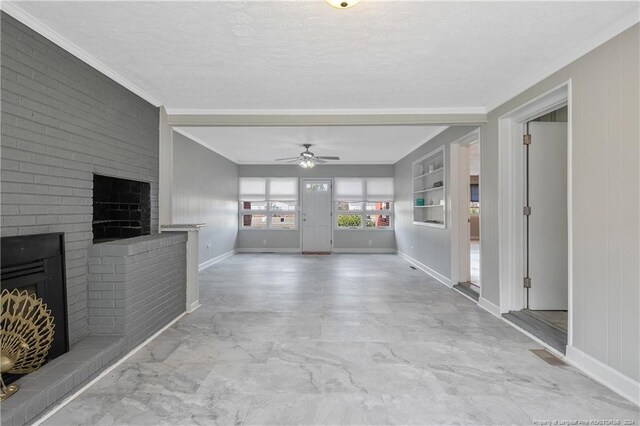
121, 208
35, 263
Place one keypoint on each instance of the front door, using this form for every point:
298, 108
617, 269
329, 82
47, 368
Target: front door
316, 215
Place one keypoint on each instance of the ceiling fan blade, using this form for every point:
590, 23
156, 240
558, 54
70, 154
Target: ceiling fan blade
285, 159
318, 160
297, 160
322, 157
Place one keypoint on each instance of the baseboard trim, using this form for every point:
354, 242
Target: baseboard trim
489, 307
604, 374
364, 250
105, 372
195, 305
269, 250
424, 268
223, 256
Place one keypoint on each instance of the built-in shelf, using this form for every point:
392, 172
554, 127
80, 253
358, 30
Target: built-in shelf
429, 171
428, 190
431, 225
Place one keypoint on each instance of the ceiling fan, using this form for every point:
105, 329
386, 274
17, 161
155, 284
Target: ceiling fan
307, 159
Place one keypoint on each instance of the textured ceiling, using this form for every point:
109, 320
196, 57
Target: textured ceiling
289, 55
353, 144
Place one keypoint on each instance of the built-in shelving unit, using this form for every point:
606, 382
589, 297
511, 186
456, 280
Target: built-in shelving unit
429, 190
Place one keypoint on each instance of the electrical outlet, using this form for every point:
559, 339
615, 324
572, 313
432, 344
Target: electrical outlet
370, 242
209, 246
264, 242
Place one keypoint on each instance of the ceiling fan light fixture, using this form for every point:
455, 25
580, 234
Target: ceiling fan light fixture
307, 164
342, 4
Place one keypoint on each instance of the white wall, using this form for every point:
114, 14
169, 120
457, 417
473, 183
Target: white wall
429, 246
205, 189
343, 239
605, 116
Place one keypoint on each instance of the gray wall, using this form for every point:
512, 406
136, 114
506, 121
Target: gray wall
205, 190
429, 246
137, 285
606, 200
62, 121
343, 239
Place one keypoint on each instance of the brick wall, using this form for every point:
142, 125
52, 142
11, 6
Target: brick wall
61, 122
136, 286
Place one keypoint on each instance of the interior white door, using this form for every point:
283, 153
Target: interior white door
465, 225
548, 222
316, 215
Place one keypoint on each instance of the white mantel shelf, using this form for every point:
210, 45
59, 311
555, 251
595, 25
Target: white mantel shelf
193, 292
182, 226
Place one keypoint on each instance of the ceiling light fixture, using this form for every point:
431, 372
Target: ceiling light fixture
342, 4
307, 164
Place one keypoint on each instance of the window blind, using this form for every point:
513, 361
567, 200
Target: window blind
364, 189
283, 189
379, 189
253, 189
349, 189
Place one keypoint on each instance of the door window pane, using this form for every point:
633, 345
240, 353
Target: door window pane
316, 187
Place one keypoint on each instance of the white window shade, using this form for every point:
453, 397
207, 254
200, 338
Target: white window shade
283, 189
349, 189
380, 189
253, 189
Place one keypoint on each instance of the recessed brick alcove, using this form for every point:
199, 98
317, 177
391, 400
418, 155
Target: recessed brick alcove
121, 208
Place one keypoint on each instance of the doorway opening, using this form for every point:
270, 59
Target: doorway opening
465, 159
545, 229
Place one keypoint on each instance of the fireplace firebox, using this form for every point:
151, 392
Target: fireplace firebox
35, 263
121, 208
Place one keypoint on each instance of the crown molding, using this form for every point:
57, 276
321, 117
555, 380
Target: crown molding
587, 45
204, 144
16, 12
318, 119
335, 111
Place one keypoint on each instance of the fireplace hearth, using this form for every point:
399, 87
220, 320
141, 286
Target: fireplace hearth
121, 208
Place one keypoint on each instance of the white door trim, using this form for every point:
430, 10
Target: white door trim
460, 207
301, 198
511, 196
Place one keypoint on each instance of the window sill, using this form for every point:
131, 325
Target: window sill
267, 229
364, 229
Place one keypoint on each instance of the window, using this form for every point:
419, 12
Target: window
364, 203
268, 203
349, 214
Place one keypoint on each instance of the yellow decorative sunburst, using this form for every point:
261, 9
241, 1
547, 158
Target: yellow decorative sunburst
26, 334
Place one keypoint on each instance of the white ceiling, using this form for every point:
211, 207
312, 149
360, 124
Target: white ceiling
292, 55
353, 144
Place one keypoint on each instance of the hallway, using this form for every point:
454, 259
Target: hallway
340, 339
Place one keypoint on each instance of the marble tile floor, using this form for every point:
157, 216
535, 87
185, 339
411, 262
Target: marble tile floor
337, 340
